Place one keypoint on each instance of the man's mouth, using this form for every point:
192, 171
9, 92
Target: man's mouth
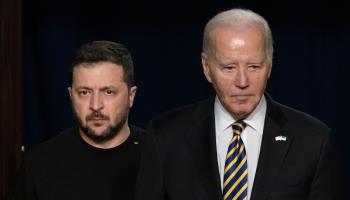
241, 97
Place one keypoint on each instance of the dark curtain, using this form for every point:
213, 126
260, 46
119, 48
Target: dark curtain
10, 99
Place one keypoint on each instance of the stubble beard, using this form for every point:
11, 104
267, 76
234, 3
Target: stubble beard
109, 133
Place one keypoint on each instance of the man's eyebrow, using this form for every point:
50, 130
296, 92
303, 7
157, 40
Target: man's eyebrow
108, 88
83, 87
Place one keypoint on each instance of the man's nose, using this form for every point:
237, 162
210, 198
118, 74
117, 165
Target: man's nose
96, 102
241, 79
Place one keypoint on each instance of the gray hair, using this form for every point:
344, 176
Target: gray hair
239, 19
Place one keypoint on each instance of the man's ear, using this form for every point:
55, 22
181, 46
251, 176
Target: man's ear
132, 94
205, 66
70, 91
270, 70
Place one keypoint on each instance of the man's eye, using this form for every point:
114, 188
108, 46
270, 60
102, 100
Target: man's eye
253, 67
83, 93
229, 68
109, 92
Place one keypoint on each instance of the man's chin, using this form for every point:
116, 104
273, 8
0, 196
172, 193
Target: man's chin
241, 112
98, 131
99, 134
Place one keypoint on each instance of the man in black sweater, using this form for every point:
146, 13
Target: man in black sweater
99, 158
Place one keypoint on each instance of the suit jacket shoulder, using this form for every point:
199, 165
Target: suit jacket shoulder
297, 121
299, 166
194, 113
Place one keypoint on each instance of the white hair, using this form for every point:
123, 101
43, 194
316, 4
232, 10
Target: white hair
238, 19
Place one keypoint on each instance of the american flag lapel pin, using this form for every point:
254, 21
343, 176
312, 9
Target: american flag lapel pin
281, 138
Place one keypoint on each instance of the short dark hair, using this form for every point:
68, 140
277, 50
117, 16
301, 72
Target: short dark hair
105, 51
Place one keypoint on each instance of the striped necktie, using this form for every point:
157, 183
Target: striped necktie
236, 170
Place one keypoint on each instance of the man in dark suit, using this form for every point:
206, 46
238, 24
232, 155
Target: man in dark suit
240, 144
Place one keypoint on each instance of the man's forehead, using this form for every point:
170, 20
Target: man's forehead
102, 87
90, 65
98, 74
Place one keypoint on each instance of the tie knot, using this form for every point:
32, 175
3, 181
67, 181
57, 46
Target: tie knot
238, 127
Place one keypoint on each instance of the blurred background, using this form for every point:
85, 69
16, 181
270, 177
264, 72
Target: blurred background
310, 69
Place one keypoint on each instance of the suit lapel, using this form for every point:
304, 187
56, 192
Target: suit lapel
272, 153
202, 145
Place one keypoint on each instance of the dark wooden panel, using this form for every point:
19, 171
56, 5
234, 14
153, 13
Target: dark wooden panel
10, 93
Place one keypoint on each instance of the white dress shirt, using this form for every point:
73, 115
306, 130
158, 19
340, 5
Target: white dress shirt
251, 137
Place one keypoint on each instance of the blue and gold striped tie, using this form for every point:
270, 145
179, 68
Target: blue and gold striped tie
236, 170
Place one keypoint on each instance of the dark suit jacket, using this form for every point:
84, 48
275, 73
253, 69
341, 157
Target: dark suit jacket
180, 161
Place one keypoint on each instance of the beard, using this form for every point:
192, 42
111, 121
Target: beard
110, 132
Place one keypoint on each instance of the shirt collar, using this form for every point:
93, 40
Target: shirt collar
256, 119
